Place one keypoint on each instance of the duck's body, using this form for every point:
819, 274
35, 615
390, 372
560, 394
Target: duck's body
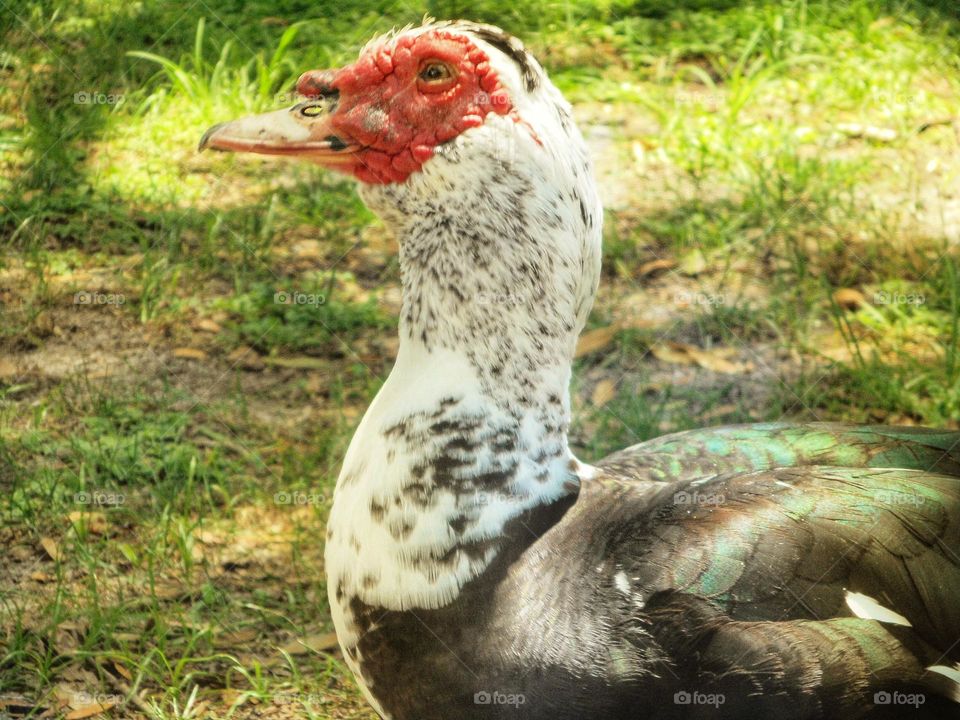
726, 594
475, 568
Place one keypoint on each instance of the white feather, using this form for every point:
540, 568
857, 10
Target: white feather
865, 607
945, 681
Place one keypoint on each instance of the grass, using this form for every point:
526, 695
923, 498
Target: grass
289, 319
169, 440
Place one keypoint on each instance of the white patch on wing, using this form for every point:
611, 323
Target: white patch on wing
947, 681
865, 607
622, 583
951, 672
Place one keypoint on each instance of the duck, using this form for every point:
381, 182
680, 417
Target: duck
476, 568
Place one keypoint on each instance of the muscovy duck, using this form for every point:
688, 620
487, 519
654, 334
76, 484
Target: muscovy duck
476, 568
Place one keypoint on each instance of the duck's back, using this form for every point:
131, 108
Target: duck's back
796, 571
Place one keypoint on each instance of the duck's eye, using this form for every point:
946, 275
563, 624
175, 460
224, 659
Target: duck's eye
434, 71
311, 110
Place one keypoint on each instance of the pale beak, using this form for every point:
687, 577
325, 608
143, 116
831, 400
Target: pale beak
305, 130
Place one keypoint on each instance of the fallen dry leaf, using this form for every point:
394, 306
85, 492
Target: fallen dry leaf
595, 340
207, 325
654, 266
323, 642
715, 359
122, 671
247, 358
89, 710
672, 352
638, 323
849, 299
187, 353
603, 393
51, 548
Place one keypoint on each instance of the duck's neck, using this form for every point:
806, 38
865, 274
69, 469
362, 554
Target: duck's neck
440, 464
470, 429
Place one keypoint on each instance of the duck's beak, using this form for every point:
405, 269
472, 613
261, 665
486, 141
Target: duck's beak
305, 130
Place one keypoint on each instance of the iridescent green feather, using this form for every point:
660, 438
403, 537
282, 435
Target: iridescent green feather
749, 448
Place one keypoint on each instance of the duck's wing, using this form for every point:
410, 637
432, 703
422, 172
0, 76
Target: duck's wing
705, 453
841, 668
808, 591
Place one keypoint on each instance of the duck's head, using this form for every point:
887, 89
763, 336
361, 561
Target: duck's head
461, 143
410, 93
